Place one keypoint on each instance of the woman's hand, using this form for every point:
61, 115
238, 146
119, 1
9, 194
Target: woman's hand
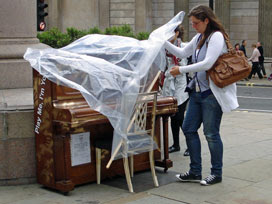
175, 71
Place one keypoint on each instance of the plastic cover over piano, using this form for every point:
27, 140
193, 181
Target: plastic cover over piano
105, 69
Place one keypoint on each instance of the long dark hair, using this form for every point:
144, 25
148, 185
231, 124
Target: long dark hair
202, 12
180, 29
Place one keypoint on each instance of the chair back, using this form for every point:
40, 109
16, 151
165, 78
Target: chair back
141, 130
145, 107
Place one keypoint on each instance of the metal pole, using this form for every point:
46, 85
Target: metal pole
211, 4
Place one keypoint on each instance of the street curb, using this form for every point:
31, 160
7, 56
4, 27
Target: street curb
253, 84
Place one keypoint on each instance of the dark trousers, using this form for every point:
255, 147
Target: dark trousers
255, 69
176, 123
262, 67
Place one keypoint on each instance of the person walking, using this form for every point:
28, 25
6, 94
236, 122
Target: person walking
207, 102
261, 58
255, 62
175, 86
243, 47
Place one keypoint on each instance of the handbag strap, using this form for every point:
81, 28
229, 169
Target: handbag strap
229, 45
226, 38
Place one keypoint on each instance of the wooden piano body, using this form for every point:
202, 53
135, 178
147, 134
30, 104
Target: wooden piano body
59, 113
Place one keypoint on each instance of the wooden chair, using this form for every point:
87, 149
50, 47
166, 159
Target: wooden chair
140, 137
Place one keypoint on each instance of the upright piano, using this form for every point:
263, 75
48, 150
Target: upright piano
66, 129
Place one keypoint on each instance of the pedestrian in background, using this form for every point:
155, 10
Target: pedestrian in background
255, 62
207, 102
237, 47
261, 58
175, 86
243, 47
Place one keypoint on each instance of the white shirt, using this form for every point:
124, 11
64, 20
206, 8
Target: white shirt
255, 55
175, 86
226, 96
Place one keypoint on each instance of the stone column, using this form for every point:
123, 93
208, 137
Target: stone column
17, 144
222, 11
63, 14
17, 33
52, 20
143, 16
104, 14
265, 26
83, 14
183, 5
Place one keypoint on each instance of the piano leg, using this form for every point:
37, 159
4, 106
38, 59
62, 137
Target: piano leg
65, 185
166, 162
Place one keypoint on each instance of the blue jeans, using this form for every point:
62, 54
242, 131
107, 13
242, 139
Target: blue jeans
206, 111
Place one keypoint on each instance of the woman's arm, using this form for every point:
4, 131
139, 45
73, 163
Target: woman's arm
215, 47
184, 52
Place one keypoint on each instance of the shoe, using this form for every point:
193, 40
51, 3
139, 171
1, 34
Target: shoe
210, 180
247, 79
187, 177
186, 153
173, 149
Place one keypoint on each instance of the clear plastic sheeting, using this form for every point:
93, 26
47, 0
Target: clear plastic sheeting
105, 69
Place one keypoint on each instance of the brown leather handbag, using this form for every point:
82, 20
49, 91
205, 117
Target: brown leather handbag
229, 67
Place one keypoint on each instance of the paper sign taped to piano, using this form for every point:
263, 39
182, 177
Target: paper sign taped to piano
80, 148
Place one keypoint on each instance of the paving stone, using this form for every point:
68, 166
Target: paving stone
155, 200
265, 184
194, 193
249, 195
255, 170
142, 181
28, 194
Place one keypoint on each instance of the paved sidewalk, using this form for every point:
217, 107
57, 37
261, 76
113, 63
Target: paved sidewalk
247, 176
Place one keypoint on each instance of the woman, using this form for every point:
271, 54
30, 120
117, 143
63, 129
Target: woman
175, 86
255, 62
207, 101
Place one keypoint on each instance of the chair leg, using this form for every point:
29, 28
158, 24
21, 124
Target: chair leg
130, 188
152, 166
98, 165
131, 159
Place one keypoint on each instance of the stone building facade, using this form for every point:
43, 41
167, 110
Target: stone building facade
243, 19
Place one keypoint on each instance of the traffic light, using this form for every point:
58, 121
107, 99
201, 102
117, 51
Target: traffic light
41, 14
